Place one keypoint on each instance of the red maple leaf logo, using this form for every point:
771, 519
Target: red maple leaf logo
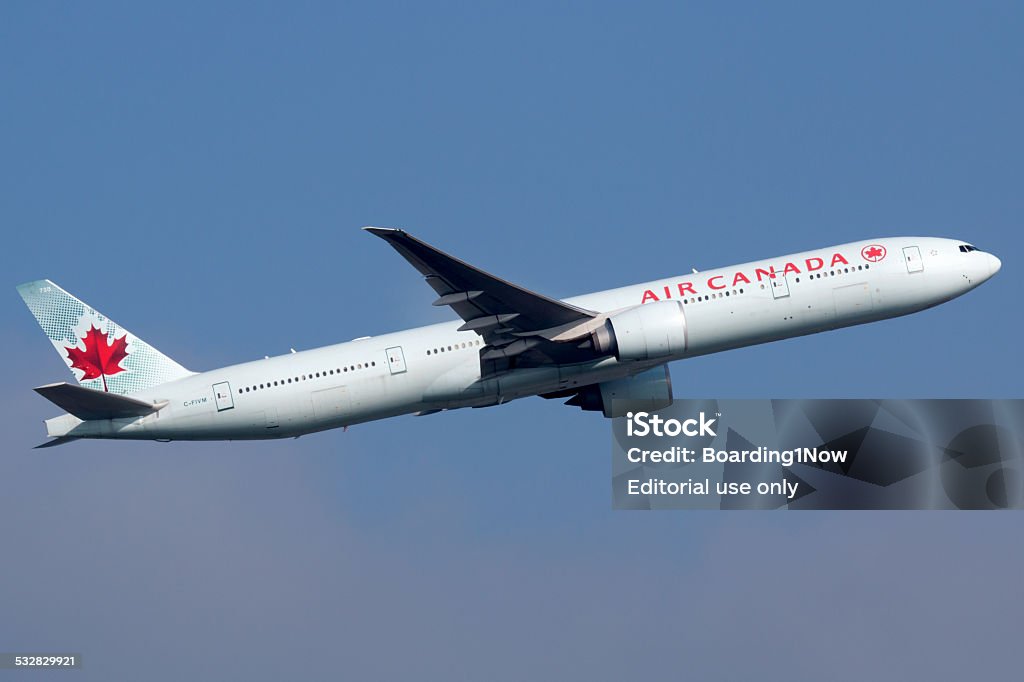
99, 359
873, 253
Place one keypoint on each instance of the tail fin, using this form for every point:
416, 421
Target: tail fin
100, 354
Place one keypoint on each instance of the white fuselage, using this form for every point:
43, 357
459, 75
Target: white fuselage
437, 367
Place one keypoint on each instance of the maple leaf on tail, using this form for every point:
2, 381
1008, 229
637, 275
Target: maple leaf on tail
100, 358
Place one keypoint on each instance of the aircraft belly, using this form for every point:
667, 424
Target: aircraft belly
458, 385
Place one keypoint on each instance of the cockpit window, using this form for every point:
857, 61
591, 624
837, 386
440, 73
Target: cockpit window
967, 248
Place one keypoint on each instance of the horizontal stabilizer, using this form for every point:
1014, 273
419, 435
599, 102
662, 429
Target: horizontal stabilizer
88, 404
54, 442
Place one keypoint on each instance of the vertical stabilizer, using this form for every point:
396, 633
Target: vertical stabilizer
101, 355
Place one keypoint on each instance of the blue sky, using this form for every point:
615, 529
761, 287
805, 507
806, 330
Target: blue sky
199, 173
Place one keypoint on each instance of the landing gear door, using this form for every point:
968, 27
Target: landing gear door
912, 257
222, 394
780, 286
396, 359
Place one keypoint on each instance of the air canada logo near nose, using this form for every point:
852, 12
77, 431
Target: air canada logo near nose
873, 252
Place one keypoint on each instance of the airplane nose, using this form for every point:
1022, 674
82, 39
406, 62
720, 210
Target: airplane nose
994, 264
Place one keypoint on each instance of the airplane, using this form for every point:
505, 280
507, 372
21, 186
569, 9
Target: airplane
606, 351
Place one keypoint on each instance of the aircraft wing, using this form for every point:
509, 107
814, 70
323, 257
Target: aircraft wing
514, 322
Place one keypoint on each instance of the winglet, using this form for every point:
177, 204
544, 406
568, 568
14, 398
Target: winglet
384, 232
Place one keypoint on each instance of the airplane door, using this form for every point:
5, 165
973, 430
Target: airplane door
780, 286
912, 257
222, 394
396, 359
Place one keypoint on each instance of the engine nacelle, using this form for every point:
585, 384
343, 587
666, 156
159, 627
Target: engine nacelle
644, 332
648, 391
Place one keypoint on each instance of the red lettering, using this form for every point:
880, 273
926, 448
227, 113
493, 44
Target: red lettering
649, 296
838, 258
790, 267
760, 272
686, 288
812, 268
668, 292
711, 282
740, 277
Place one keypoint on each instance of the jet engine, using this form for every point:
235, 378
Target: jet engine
644, 332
